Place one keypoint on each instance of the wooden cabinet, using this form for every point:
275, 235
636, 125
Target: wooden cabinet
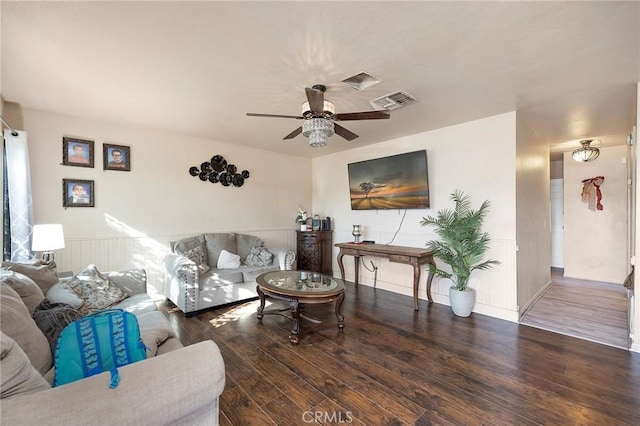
314, 250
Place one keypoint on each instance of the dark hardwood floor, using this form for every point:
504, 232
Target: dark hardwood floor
392, 366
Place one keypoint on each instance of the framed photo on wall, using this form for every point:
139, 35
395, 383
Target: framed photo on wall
116, 157
78, 193
77, 152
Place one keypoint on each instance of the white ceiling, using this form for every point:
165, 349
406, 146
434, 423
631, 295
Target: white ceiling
196, 68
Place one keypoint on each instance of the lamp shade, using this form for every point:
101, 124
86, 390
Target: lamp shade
47, 237
586, 152
317, 130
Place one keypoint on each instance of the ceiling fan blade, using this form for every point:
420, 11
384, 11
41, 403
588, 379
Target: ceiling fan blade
251, 114
347, 134
293, 134
364, 115
316, 100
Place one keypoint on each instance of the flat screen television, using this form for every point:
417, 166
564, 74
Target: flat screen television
395, 182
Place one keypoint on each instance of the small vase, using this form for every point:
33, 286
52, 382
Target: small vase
303, 227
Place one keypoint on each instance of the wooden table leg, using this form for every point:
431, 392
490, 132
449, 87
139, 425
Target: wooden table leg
339, 316
260, 314
356, 264
340, 265
295, 327
429, 280
416, 283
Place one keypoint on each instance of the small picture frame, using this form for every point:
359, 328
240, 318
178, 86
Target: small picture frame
77, 152
78, 193
116, 157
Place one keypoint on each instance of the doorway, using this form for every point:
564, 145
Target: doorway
585, 308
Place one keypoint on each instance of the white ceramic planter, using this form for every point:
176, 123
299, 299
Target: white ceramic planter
462, 301
303, 227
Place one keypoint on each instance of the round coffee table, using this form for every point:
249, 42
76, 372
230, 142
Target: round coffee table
300, 288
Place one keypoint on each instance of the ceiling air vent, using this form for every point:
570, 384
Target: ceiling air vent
393, 100
361, 81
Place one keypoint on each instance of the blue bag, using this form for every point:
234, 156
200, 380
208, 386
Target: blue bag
102, 341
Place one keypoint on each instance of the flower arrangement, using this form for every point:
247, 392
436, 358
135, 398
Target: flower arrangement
302, 216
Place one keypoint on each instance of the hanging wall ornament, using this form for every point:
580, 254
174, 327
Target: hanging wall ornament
591, 193
218, 170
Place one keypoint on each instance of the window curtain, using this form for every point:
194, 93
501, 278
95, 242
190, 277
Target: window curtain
17, 200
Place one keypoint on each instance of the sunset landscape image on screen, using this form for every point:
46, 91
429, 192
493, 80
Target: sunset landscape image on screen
395, 182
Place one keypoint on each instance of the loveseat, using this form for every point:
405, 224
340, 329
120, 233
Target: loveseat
179, 385
215, 269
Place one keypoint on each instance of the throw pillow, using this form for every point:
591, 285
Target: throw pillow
27, 289
186, 244
95, 289
52, 318
198, 255
61, 293
42, 273
228, 260
245, 243
259, 256
18, 375
154, 330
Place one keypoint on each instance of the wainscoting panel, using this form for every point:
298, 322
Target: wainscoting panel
496, 288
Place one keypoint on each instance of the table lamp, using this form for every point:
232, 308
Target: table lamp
47, 238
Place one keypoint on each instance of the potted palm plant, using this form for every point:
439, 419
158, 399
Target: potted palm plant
462, 246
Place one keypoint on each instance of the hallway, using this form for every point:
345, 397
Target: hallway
587, 310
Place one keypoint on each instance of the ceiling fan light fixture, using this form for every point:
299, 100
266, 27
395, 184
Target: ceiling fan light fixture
317, 130
586, 152
329, 108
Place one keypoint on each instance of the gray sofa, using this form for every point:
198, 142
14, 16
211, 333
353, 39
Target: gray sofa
195, 279
152, 391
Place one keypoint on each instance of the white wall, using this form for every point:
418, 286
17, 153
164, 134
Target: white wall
476, 157
533, 222
596, 241
136, 213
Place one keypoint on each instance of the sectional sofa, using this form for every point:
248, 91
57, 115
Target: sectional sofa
174, 385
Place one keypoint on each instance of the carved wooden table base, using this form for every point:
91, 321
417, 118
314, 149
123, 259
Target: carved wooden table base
298, 298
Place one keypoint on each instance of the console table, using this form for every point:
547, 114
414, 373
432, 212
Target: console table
398, 254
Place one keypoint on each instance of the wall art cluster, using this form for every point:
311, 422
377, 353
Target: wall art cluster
217, 170
81, 153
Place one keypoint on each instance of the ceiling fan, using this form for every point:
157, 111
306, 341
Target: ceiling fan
320, 118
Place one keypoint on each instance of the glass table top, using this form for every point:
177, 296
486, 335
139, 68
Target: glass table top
300, 283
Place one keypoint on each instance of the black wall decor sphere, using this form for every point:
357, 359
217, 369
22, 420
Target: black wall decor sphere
217, 170
238, 180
